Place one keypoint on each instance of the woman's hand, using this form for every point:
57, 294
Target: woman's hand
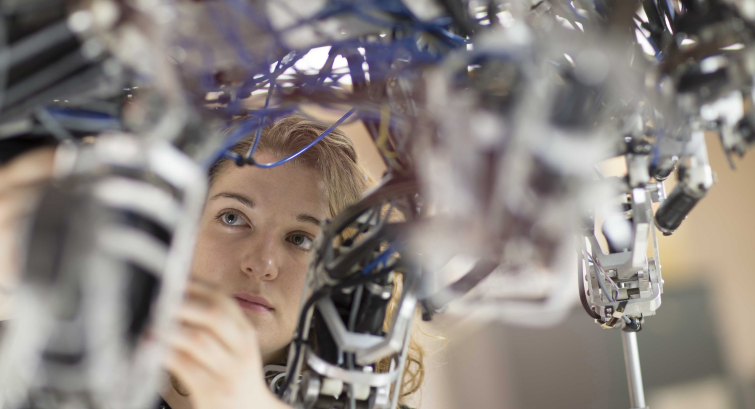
21, 183
215, 354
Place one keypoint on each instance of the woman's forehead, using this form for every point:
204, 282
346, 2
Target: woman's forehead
291, 187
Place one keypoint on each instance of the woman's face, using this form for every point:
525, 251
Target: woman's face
255, 241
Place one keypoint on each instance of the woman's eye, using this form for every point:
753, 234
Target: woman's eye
301, 241
232, 219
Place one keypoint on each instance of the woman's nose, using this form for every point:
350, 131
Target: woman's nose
261, 258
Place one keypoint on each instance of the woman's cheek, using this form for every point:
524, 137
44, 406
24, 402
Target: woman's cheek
211, 255
293, 288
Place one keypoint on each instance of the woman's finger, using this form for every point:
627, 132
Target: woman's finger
213, 318
202, 347
191, 374
238, 389
217, 313
205, 292
201, 283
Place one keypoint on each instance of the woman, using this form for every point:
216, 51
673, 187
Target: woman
252, 253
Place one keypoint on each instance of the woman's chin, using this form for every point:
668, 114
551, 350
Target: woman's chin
262, 321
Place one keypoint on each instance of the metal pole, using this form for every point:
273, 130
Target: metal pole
634, 372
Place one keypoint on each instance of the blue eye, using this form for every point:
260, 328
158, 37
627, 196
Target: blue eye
232, 219
300, 240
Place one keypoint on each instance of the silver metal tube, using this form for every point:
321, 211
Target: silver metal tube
634, 372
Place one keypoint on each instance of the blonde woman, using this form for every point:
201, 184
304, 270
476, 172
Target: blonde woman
253, 249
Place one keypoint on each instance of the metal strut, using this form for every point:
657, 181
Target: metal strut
634, 372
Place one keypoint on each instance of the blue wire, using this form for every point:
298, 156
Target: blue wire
380, 259
229, 32
408, 23
95, 119
262, 119
246, 126
311, 144
81, 114
250, 85
362, 9
365, 10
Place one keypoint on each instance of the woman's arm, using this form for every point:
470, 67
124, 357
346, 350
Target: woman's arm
215, 354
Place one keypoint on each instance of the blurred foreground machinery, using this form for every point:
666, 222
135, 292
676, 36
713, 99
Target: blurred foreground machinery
494, 120
108, 256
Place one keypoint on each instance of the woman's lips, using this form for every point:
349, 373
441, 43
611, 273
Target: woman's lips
253, 302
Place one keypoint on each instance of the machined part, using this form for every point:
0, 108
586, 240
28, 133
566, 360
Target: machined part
310, 389
402, 323
353, 377
696, 180
626, 283
347, 341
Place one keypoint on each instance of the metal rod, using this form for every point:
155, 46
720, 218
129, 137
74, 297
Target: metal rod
634, 372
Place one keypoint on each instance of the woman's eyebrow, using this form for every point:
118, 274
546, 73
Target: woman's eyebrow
308, 218
245, 201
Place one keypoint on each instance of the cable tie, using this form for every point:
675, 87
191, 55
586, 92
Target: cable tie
239, 160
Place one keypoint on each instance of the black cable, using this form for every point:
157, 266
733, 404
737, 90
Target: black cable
363, 227
350, 356
492, 10
299, 334
582, 295
460, 15
355, 307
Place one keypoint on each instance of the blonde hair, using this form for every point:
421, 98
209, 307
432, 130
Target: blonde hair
336, 159
334, 156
